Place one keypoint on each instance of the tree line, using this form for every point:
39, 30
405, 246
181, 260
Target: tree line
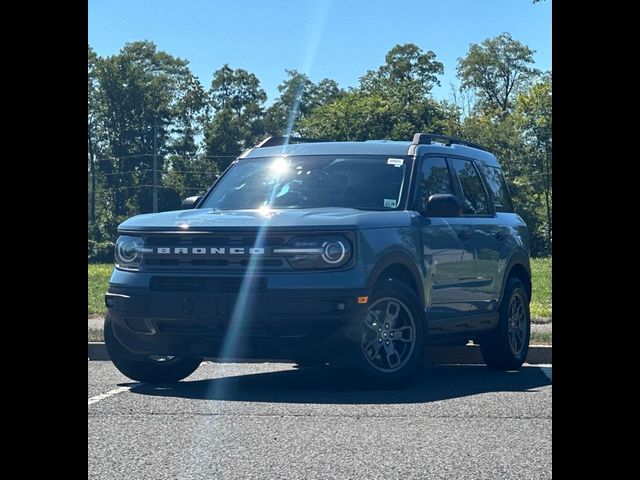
143, 101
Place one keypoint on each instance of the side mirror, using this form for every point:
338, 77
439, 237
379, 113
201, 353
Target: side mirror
191, 202
443, 205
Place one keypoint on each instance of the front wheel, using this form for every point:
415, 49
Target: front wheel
391, 335
506, 347
147, 368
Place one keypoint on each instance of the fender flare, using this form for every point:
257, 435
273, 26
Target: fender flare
398, 258
518, 258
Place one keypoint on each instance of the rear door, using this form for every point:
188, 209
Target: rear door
447, 251
497, 229
487, 237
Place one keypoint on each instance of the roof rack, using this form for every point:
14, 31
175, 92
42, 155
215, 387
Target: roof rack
283, 140
427, 138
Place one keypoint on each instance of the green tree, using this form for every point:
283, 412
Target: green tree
92, 112
405, 82
354, 116
392, 102
326, 91
408, 72
502, 136
299, 96
533, 115
189, 175
497, 70
522, 142
236, 98
189, 117
141, 88
358, 116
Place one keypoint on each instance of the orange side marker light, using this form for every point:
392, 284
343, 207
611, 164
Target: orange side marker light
362, 300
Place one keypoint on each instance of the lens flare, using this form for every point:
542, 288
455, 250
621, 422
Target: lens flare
279, 166
200, 452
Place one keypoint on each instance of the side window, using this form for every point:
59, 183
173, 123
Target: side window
474, 197
498, 189
435, 177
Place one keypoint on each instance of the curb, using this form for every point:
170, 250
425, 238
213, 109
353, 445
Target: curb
468, 355
97, 351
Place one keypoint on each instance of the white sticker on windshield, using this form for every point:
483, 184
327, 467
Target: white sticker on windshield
396, 162
390, 203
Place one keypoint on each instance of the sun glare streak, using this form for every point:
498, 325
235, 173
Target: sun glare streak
317, 29
293, 115
244, 304
280, 165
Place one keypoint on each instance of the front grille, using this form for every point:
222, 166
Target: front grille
161, 261
210, 285
220, 262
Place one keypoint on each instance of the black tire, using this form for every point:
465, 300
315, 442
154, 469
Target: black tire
506, 347
145, 368
381, 368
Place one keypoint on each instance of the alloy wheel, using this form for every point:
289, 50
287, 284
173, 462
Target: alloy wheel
517, 324
389, 335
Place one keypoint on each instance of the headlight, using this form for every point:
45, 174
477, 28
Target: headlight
129, 251
317, 252
334, 251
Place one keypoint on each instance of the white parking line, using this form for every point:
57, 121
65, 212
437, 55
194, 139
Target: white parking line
108, 394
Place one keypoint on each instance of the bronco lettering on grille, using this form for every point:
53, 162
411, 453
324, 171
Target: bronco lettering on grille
209, 250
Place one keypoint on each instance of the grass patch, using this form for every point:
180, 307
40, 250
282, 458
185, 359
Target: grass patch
96, 335
541, 297
99, 274
540, 338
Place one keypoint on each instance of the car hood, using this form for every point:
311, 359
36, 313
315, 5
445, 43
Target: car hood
297, 219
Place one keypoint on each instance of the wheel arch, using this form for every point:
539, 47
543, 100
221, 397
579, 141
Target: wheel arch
401, 267
518, 267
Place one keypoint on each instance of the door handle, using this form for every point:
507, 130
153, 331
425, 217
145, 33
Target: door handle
465, 234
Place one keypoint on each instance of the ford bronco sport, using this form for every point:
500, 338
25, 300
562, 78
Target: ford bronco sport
367, 253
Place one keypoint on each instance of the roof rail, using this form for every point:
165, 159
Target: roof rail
283, 140
427, 138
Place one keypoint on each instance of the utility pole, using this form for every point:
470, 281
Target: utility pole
155, 165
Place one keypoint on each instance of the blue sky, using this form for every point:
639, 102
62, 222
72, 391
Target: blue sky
338, 39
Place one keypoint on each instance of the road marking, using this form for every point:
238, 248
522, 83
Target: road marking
110, 393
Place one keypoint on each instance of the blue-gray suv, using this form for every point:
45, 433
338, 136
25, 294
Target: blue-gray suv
365, 253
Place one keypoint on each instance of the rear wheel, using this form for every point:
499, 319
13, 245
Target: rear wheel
391, 335
147, 368
506, 347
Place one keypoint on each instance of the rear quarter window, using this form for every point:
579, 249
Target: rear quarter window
498, 188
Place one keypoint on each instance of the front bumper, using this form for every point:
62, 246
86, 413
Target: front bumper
274, 317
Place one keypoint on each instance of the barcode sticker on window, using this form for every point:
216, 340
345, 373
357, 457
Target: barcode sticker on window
396, 162
390, 203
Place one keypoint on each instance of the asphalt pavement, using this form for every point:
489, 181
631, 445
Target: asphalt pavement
271, 421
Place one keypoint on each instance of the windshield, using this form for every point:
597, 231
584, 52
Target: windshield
361, 182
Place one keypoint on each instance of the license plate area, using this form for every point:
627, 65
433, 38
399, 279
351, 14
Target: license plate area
193, 306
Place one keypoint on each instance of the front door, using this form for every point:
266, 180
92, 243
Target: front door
447, 247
